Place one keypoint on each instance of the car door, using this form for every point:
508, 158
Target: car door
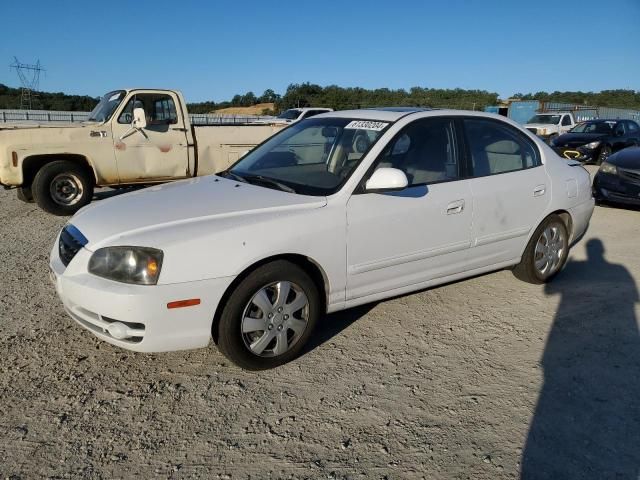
158, 151
399, 239
510, 187
633, 133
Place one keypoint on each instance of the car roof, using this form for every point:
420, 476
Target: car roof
385, 114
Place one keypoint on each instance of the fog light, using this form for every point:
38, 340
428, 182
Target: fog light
117, 330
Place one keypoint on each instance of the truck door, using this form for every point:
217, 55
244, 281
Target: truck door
566, 124
160, 150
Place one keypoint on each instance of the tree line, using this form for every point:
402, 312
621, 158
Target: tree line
340, 98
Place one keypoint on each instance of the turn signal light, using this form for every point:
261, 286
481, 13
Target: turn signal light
14, 159
192, 302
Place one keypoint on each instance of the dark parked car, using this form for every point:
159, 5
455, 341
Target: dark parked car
594, 140
618, 179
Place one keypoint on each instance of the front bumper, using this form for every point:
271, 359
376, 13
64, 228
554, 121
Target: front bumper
614, 188
136, 317
579, 154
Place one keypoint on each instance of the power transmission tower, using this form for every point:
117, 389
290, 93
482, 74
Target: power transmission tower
29, 76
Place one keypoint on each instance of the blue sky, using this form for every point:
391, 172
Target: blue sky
213, 49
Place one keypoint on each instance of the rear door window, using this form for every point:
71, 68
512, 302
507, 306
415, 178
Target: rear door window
496, 148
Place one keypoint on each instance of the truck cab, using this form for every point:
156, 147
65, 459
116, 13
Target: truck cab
549, 126
132, 136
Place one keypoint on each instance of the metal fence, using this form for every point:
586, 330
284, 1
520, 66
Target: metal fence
70, 117
522, 111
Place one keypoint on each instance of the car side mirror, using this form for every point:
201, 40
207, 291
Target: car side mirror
387, 179
139, 119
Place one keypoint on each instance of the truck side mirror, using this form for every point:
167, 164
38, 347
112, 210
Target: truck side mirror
139, 119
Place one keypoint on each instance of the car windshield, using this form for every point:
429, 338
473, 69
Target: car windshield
289, 114
593, 127
548, 119
107, 105
312, 157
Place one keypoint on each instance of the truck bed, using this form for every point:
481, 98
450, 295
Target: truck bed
218, 146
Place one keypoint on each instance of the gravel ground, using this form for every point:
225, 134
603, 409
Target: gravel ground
486, 378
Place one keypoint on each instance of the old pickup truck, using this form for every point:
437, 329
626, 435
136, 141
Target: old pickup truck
133, 136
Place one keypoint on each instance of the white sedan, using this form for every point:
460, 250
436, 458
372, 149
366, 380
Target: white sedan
335, 211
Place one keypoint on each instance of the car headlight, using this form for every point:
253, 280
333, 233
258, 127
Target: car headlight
138, 265
592, 145
608, 168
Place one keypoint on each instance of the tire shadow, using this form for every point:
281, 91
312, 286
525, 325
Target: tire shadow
586, 423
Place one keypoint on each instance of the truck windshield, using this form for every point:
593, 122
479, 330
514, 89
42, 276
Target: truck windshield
312, 157
548, 119
107, 105
289, 114
593, 127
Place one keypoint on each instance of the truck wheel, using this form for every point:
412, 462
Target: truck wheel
552, 138
269, 317
546, 252
24, 194
62, 187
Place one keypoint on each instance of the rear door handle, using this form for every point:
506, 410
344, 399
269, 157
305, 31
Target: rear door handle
539, 190
455, 207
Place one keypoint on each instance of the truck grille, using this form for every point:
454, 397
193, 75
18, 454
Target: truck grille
71, 241
533, 130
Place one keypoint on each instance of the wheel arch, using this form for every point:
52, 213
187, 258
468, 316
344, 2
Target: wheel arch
564, 215
310, 266
32, 164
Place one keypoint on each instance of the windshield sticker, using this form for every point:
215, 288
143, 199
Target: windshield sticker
114, 97
366, 125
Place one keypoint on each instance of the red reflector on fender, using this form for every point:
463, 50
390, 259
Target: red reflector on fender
192, 302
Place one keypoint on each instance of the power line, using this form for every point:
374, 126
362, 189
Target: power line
29, 75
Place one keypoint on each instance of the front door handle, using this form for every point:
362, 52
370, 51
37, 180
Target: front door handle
539, 190
455, 207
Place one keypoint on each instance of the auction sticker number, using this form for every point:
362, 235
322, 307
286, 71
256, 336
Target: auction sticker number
366, 125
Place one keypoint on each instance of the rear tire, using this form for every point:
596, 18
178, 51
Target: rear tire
62, 187
546, 252
25, 194
269, 317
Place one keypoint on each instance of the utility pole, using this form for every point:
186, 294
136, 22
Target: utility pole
29, 75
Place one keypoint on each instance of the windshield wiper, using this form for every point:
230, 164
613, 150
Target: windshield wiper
230, 174
266, 181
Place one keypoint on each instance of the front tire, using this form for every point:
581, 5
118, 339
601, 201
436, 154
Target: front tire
605, 152
546, 252
269, 317
62, 187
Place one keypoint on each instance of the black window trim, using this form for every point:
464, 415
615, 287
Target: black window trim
467, 150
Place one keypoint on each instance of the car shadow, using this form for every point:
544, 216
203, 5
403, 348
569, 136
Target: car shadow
333, 324
586, 423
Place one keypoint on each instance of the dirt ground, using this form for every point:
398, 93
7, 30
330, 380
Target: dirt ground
486, 378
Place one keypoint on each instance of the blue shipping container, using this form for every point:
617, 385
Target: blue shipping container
521, 112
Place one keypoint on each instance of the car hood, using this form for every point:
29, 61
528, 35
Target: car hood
628, 158
201, 199
577, 139
540, 125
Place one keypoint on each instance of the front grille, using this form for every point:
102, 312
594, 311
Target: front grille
533, 130
71, 241
632, 175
